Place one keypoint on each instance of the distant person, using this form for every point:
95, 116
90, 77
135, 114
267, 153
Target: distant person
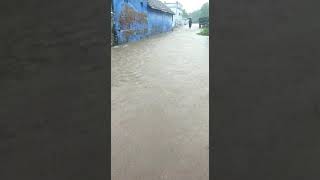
190, 23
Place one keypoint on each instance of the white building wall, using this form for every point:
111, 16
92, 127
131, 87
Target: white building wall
177, 9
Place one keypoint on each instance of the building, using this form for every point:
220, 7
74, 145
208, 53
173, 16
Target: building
112, 30
177, 8
137, 19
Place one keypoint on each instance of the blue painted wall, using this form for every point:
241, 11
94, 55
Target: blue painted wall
134, 20
130, 20
158, 21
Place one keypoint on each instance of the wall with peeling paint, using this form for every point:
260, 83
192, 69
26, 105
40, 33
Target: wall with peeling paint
130, 20
134, 20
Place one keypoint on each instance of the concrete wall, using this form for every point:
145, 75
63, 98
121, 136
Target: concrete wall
178, 20
112, 31
158, 22
131, 21
135, 21
177, 17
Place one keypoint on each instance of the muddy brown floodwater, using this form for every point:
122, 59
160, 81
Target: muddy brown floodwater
160, 108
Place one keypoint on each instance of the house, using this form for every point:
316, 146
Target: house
112, 29
138, 19
177, 8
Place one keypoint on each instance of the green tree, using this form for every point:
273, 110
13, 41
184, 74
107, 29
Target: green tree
202, 12
205, 10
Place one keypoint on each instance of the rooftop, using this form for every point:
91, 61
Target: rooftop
158, 5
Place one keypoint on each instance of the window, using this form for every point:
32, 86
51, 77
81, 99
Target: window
141, 3
126, 1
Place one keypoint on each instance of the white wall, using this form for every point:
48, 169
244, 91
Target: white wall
177, 18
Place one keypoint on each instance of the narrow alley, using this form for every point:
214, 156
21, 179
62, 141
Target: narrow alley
160, 107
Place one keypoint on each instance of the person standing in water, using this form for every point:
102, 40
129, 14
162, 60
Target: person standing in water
190, 23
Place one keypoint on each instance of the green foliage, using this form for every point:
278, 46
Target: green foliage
203, 12
204, 32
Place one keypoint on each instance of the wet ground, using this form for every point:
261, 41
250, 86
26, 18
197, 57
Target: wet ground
160, 108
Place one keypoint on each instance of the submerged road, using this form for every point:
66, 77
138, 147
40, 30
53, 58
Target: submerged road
160, 108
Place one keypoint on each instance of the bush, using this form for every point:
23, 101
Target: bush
204, 32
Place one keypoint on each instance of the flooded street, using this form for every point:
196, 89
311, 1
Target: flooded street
160, 107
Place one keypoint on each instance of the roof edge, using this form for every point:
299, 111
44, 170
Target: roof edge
160, 6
